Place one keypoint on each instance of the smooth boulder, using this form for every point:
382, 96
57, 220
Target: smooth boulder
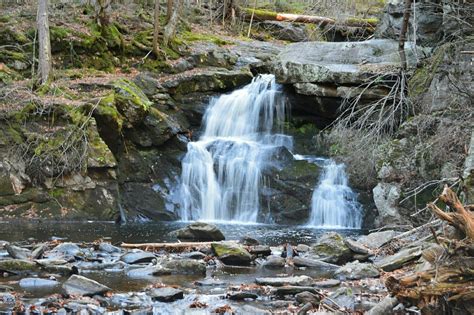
80, 285
200, 232
332, 249
166, 294
356, 270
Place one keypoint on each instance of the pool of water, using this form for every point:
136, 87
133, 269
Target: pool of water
268, 234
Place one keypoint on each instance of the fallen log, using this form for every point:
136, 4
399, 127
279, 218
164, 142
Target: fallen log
171, 246
264, 15
462, 218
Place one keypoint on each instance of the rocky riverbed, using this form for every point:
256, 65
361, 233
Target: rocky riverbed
203, 272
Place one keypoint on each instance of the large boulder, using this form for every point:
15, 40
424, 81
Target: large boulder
356, 270
386, 198
292, 32
398, 260
331, 248
232, 254
377, 239
200, 232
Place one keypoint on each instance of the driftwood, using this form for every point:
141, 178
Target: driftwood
180, 246
262, 15
462, 218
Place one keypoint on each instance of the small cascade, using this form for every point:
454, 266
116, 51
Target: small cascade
221, 173
334, 204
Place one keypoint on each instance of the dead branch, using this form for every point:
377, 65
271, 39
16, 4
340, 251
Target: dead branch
462, 219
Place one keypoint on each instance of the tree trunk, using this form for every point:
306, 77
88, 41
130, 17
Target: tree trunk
403, 34
102, 16
156, 29
169, 10
170, 28
44, 43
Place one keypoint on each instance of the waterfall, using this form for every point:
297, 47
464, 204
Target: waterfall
221, 172
334, 204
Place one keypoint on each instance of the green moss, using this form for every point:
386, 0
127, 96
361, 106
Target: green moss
127, 91
56, 192
421, 80
106, 108
262, 14
191, 37
356, 21
59, 33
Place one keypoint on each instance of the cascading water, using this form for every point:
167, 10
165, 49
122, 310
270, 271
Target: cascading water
222, 171
334, 204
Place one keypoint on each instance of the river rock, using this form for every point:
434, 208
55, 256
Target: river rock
356, 247
292, 32
313, 264
292, 290
302, 248
67, 249
248, 241
79, 285
274, 262
200, 232
232, 254
166, 294
385, 306
330, 283
209, 282
307, 297
398, 260
36, 283
356, 270
18, 252
186, 267
137, 256
331, 248
243, 295
377, 239
109, 248
260, 250
344, 297
282, 281
194, 255
17, 265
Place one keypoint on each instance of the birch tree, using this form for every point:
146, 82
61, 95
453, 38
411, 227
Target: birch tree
44, 43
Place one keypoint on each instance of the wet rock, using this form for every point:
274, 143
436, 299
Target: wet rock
35, 283
377, 239
7, 298
307, 297
232, 254
385, 306
331, 248
137, 257
200, 232
240, 296
330, 283
285, 31
18, 252
274, 262
79, 285
17, 265
109, 248
6, 288
302, 248
147, 272
344, 297
285, 281
248, 241
249, 309
292, 290
260, 250
356, 247
186, 267
166, 294
313, 264
67, 249
194, 255
356, 270
398, 260
209, 282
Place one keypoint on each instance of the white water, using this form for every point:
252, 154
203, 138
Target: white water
221, 174
334, 204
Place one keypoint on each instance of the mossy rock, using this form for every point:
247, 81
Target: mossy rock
130, 101
98, 153
18, 265
331, 248
231, 254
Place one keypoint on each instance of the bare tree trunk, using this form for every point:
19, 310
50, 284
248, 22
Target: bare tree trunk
44, 43
156, 29
403, 33
102, 16
169, 10
170, 28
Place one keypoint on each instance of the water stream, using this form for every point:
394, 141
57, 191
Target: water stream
222, 171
